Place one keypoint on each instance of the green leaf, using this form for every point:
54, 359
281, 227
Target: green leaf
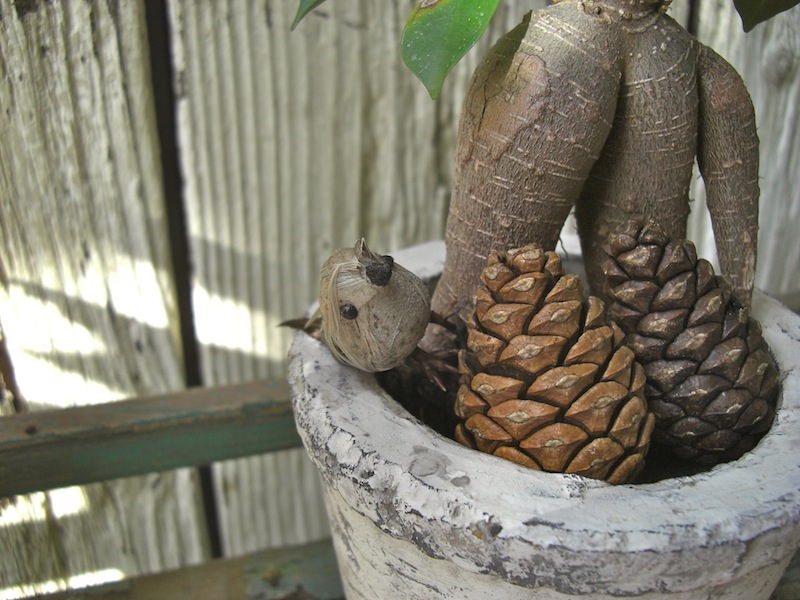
439, 33
306, 6
754, 12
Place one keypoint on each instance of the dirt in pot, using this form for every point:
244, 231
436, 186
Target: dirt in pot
423, 397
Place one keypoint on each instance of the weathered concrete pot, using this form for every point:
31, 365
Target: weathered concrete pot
418, 516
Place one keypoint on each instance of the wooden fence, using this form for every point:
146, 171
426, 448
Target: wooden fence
173, 174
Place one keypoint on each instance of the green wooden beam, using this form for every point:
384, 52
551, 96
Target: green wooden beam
51, 449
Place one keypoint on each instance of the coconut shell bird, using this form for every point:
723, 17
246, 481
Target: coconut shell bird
372, 312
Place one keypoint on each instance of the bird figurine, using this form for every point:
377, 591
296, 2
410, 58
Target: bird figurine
372, 312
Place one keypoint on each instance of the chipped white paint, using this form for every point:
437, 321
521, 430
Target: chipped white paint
418, 516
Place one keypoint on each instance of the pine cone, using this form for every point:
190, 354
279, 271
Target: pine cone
547, 382
711, 380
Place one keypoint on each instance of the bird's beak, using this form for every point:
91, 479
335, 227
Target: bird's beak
378, 268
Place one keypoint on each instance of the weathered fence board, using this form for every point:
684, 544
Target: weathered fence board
86, 298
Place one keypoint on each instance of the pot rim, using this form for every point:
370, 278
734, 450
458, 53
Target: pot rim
339, 411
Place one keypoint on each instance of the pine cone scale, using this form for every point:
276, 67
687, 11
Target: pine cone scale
677, 292
593, 346
628, 423
553, 446
595, 409
562, 385
520, 417
665, 375
695, 343
546, 349
496, 389
503, 320
620, 366
664, 324
726, 359
596, 458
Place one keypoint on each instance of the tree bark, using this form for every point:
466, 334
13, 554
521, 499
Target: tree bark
589, 105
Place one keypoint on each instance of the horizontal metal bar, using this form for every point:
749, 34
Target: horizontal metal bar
57, 448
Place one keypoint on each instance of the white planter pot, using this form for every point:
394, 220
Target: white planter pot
418, 516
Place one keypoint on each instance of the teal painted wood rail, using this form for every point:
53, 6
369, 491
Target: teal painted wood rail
51, 449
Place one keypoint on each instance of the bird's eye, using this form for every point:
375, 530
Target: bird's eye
348, 311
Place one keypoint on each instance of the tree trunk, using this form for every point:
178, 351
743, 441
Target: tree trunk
533, 142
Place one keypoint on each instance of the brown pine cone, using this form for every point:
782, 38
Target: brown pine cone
711, 380
546, 381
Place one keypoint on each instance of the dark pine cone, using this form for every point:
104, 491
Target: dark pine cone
711, 380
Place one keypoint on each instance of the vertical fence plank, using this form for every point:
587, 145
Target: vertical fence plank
86, 297
768, 59
227, 129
